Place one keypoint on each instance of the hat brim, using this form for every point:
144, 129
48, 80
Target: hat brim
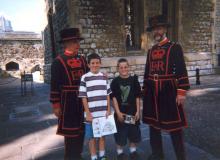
149, 29
71, 38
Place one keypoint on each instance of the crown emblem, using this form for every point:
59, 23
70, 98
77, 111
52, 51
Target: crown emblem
74, 63
158, 54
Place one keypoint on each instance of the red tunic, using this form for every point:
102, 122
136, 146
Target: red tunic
165, 74
66, 72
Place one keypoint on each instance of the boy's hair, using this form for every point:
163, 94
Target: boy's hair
93, 56
121, 60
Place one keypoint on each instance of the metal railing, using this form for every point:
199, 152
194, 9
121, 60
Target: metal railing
26, 77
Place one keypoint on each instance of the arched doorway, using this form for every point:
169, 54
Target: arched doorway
12, 66
36, 68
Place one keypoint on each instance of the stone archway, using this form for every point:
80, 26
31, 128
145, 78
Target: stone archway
12, 66
36, 68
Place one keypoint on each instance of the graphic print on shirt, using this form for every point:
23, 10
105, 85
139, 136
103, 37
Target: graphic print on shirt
125, 90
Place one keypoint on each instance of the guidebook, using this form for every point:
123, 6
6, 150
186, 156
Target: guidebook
103, 126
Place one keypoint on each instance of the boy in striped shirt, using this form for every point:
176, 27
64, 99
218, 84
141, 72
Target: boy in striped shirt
94, 91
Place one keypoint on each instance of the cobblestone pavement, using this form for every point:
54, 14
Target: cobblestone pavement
28, 126
203, 112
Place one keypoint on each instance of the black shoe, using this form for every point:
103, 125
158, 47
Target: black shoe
155, 157
134, 156
121, 156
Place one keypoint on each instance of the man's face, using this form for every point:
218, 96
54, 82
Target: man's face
73, 46
94, 65
123, 69
159, 33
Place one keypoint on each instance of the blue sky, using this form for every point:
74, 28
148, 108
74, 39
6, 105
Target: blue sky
25, 15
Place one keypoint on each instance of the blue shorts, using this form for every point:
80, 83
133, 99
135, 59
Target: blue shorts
89, 131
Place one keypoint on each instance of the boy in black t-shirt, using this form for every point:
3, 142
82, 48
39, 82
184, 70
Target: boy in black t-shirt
126, 92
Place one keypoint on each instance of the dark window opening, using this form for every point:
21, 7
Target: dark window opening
170, 10
12, 66
129, 24
133, 11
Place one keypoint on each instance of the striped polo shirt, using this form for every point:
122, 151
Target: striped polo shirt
96, 88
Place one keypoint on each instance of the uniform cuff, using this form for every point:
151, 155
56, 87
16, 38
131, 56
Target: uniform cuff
181, 92
56, 105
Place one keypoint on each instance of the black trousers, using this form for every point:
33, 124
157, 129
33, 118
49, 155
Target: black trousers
73, 147
177, 140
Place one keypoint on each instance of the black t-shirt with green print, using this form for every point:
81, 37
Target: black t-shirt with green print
126, 90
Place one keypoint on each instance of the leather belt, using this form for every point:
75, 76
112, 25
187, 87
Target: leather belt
157, 77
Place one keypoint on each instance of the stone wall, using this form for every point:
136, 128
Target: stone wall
196, 34
59, 22
48, 54
137, 65
217, 32
152, 8
102, 24
197, 25
58, 11
204, 63
24, 49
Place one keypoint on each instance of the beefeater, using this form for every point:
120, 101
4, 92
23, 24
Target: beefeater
165, 85
66, 71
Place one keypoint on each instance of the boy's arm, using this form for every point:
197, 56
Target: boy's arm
120, 115
83, 95
137, 95
86, 109
137, 115
108, 106
108, 98
117, 110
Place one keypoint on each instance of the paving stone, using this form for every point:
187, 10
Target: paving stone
35, 138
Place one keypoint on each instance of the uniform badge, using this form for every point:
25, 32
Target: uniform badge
158, 54
74, 63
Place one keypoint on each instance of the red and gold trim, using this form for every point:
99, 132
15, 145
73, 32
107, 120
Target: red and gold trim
164, 41
181, 92
64, 65
56, 105
167, 59
70, 133
69, 53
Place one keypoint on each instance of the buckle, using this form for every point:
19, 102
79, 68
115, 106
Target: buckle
156, 77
